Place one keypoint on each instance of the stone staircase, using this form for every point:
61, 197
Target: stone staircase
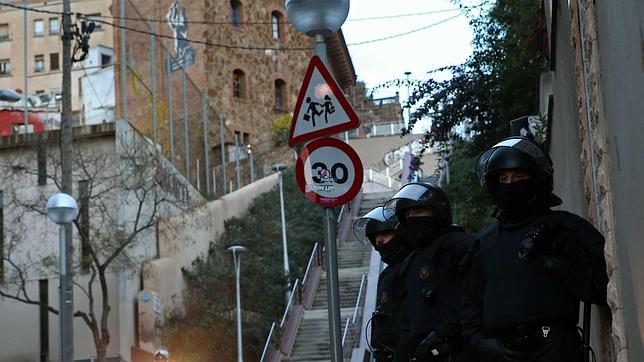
312, 342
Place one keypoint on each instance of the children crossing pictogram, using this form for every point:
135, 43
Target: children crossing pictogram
322, 108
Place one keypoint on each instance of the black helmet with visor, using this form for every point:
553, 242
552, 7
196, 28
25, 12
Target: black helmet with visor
420, 195
515, 153
372, 223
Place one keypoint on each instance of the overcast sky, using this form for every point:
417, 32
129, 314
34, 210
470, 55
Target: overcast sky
439, 45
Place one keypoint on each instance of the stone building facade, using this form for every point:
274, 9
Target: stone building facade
243, 55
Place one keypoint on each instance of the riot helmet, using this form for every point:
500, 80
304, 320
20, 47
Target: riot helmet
420, 195
372, 223
515, 153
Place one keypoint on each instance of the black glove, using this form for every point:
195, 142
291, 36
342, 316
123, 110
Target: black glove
432, 346
493, 349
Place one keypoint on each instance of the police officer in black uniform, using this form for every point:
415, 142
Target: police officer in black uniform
381, 232
528, 271
431, 330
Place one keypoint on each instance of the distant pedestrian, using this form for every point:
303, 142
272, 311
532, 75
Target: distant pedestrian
529, 270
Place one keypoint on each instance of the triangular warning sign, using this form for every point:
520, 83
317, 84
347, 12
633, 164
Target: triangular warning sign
321, 108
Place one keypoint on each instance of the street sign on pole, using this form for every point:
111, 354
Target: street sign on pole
322, 109
329, 172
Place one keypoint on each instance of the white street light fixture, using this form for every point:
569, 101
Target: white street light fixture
279, 167
317, 19
313, 17
236, 250
62, 209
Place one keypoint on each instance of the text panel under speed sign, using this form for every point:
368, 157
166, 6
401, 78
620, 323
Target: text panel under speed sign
329, 172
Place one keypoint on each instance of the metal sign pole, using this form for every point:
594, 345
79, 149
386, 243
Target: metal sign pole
333, 294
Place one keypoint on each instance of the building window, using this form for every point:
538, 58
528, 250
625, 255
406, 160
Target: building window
39, 27
5, 66
276, 23
239, 84
4, 32
83, 222
54, 26
235, 13
280, 91
39, 63
54, 63
42, 164
106, 60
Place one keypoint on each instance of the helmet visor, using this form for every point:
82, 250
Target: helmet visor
360, 225
481, 165
531, 149
410, 195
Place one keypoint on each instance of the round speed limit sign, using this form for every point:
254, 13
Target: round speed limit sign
329, 172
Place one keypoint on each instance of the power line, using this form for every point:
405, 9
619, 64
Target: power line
210, 22
226, 46
405, 33
384, 17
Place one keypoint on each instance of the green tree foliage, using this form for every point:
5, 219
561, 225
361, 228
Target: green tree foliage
280, 130
498, 82
207, 331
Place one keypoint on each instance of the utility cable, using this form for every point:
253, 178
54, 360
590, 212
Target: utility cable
405, 33
210, 22
219, 45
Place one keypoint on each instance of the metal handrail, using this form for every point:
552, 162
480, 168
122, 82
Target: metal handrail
268, 342
346, 329
290, 301
341, 211
310, 264
355, 310
351, 321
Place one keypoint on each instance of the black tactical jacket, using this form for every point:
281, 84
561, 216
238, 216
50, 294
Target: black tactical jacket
386, 320
501, 290
432, 290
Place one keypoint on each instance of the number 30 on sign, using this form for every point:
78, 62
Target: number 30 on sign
329, 172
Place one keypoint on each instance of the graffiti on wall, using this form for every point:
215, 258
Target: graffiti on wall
184, 54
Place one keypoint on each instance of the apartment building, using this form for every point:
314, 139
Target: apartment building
31, 49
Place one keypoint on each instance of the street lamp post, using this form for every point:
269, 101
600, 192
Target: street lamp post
249, 149
407, 74
278, 167
237, 259
319, 19
62, 209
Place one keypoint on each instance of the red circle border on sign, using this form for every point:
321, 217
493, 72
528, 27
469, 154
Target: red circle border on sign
355, 160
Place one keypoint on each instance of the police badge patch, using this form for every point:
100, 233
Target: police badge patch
384, 297
424, 272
